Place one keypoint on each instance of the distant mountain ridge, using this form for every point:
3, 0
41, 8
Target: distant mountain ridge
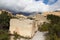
57, 12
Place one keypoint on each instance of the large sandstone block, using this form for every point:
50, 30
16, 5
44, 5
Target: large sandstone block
25, 27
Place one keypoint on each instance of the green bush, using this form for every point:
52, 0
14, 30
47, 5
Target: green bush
44, 27
4, 35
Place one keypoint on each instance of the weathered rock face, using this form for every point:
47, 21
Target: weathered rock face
20, 16
40, 19
25, 27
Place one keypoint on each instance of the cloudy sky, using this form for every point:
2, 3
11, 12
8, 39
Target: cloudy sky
30, 5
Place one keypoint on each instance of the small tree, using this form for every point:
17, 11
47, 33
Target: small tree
4, 20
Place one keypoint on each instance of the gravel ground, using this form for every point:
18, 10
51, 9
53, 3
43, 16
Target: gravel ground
39, 36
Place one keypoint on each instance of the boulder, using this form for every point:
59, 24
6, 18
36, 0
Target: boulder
25, 27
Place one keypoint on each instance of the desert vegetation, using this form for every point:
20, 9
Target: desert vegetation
53, 28
4, 25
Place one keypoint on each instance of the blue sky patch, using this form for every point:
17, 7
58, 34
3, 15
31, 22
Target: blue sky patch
50, 2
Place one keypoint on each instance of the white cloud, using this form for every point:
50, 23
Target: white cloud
36, 7
28, 5
55, 6
25, 5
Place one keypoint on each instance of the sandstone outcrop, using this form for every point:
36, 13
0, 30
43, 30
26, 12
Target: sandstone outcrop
25, 27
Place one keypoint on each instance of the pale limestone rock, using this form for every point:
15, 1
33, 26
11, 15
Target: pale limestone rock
0, 12
20, 16
40, 19
25, 27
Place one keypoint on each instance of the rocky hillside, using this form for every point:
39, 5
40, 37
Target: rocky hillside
57, 13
